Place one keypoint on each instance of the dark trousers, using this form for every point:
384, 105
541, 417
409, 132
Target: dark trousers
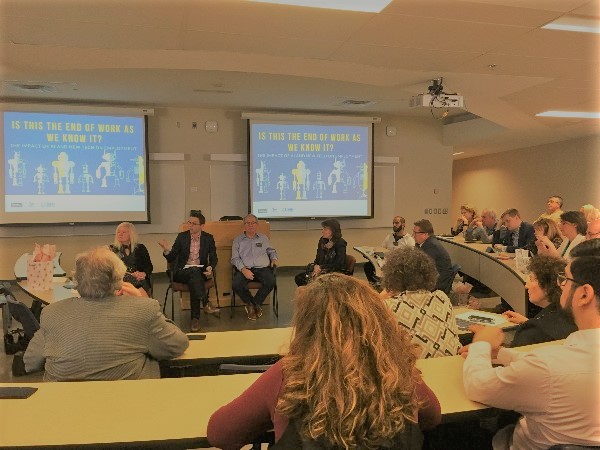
194, 278
262, 274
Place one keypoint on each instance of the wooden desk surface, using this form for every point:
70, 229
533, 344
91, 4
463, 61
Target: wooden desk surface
57, 293
238, 344
127, 412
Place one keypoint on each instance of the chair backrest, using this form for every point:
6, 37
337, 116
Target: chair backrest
20, 312
455, 269
228, 218
350, 263
230, 369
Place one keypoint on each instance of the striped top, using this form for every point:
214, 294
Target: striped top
113, 338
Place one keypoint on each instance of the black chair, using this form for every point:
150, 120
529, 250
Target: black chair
255, 285
232, 369
175, 286
229, 218
350, 263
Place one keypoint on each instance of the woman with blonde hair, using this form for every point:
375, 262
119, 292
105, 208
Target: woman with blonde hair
348, 381
548, 228
134, 255
468, 217
590, 212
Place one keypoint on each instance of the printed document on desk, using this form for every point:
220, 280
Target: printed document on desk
188, 266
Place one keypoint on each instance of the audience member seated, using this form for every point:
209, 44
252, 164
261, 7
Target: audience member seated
348, 381
590, 212
134, 255
193, 257
467, 218
551, 323
255, 259
331, 253
553, 209
409, 275
555, 388
111, 333
520, 234
396, 239
573, 226
483, 228
426, 241
547, 228
593, 230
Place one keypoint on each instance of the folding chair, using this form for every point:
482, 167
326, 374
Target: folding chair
175, 286
255, 285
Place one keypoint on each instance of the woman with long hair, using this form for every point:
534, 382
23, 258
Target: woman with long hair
573, 226
548, 228
134, 255
331, 253
551, 323
348, 381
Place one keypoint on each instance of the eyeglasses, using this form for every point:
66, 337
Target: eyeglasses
250, 223
190, 223
562, 278
419, 232
592, 234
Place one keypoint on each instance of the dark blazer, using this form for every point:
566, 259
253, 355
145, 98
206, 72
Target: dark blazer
180, 252
442, 261
526, 237
333, 259
550, 324
137, 260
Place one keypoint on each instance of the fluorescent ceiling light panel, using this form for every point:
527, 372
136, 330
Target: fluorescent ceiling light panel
374, 6
457, 153
570, 114
579, 24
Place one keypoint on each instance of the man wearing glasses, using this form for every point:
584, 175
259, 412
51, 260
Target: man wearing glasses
555, 388
255, 260
426, 241
194, 257
593, 230
553, 209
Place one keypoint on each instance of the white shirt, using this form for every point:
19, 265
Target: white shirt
572, 244
405, 241
555, 388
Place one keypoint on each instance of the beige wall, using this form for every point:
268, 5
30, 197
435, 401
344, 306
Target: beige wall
423, 178
525, 178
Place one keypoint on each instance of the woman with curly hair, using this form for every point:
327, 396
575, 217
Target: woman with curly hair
348, 381
409, 276
331, 253
551, 323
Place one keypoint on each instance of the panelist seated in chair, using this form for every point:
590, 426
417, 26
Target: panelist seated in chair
113, 332
134, 255
331, 253
194, 257
254, 258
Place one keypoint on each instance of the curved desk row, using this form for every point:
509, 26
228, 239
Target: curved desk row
499, 275
124, 414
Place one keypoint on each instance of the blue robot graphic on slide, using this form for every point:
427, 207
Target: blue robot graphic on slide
16, 169
85, 179
64, 173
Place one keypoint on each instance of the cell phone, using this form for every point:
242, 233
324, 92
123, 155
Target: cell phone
490, 249
196, 337
16, 392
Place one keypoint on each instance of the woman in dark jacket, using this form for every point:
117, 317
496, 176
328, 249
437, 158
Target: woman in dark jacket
550, 324
331, 253
134, 255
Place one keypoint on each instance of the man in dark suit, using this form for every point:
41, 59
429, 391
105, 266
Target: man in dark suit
426, 241
193, 257
520, 234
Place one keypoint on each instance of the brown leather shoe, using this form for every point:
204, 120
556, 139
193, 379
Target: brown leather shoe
250, 312
258, 311
209, 309
195, 325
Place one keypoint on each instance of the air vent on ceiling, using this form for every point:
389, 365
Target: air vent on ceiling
353, 102
31, 86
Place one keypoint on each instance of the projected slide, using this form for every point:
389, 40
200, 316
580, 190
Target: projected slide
301, 170
72, 162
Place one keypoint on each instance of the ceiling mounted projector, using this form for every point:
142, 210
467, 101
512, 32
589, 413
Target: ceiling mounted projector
437, 98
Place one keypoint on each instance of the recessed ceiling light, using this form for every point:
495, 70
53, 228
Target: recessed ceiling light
457, 153
345, 5
579, 24
570, 114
